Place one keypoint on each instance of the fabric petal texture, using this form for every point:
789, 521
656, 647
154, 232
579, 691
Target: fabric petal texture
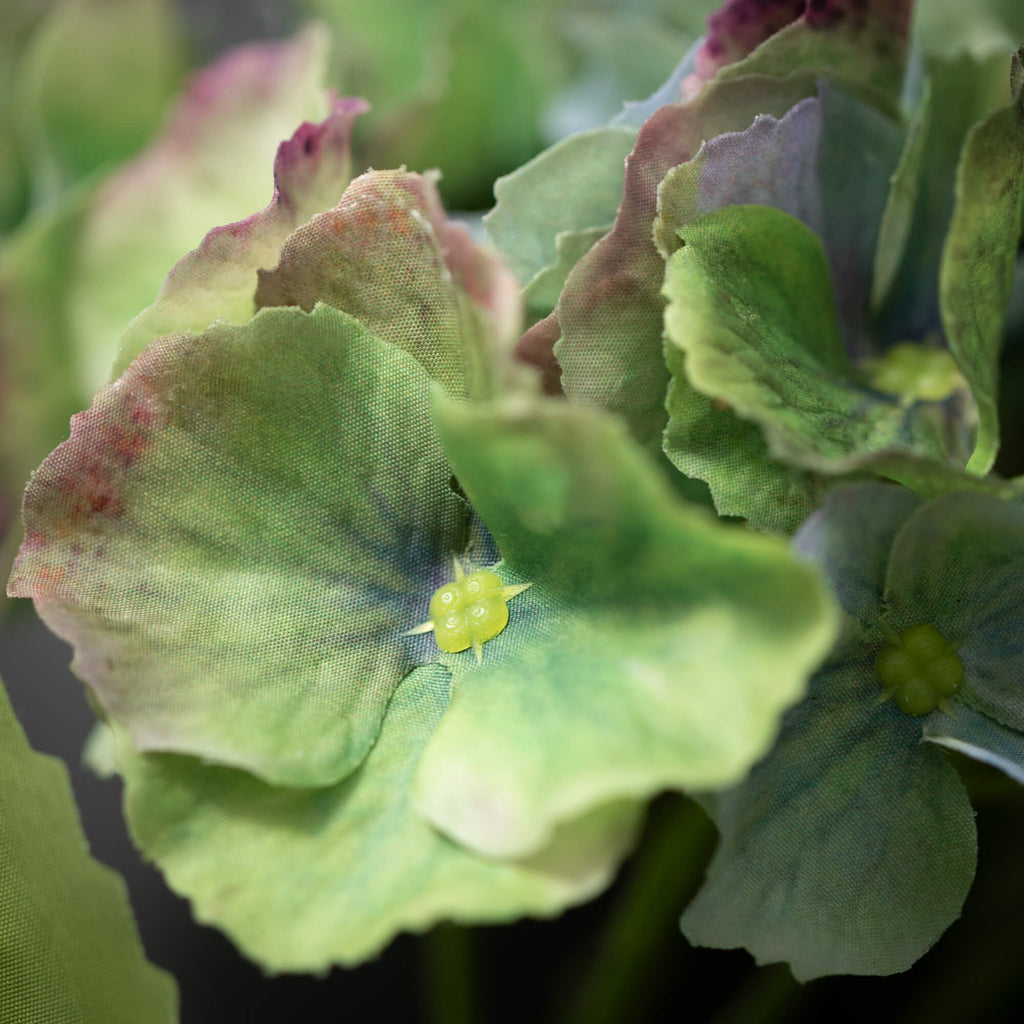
647, 625
70, 948
302, 879
236, 536
848, 850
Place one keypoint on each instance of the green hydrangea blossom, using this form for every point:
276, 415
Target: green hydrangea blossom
242, 534
851, 847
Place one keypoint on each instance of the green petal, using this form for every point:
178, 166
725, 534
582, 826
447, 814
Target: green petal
237, 535
574, 185
705, 439
649, 624
962, 91
93, 84
71, 954
750, 305
979, 256
543, 289
388, 255
978, 736
210, 166
302, 879
848, 850
958, 563
897, 217
610, 312
850, 538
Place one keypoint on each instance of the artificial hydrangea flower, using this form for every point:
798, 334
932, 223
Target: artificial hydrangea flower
851, 847
243, 533
783, 176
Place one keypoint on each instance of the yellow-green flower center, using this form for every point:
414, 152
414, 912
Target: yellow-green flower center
919, 669
915, 372
469, 611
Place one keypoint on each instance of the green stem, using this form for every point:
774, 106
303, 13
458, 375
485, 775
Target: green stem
449, 982
765, 998
641, 946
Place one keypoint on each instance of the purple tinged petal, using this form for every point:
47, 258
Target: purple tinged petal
217, 280
737, 28
388, 255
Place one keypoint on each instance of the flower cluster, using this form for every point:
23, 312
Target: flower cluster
787, 308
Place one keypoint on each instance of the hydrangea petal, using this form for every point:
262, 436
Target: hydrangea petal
70, 948
574, 185
237, 535
647, 626
388, 255
863, 42
610, 313
980, 253
964, 89
848, 850
772, 162
850, 538
786, 163
154, 210
976, 735
302, 879
543, 289
738, 28
958, 563
750, 305
218, 280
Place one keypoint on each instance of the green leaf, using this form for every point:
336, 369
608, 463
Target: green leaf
71, 954
957, 564
648, 625
573, 186
94, 83
849, 849
21, 19
457, 86
986, 27
897, 218
302, 879
750, 305
964, 90
388, 256
210, 166
979, 256
237, 535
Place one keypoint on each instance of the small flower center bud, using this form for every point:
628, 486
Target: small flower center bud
469, 611
919, 669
